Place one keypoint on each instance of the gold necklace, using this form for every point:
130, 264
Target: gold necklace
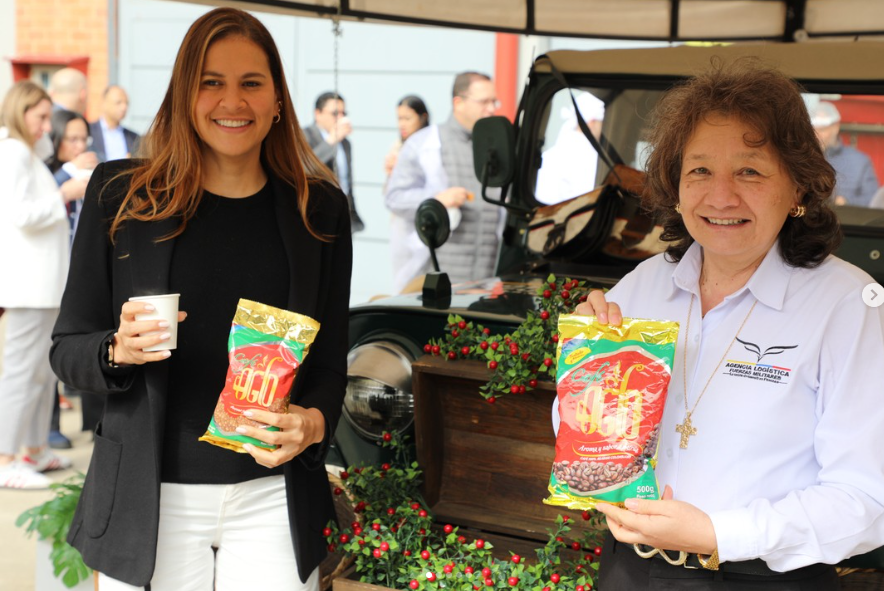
686, 429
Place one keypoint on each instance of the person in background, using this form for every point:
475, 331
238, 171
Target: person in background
437, 162
110, 140
411, 115
753, 500
34, 237
855, 180
69, 134
68, 90
570, 165
228, 202
327, 137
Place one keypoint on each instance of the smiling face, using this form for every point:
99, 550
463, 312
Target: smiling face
734, 197
236, 102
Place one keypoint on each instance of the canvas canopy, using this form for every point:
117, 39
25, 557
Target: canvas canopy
665, 20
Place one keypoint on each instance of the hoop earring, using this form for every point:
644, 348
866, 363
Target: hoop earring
278, 117
798, 211
678, 208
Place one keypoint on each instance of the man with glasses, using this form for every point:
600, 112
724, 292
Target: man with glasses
437, 162
110, 140
328, 138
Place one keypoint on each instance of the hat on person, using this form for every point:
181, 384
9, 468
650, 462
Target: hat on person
826, 114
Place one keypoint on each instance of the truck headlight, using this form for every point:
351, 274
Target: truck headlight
379, 394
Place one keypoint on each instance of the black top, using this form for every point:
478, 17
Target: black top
231, 249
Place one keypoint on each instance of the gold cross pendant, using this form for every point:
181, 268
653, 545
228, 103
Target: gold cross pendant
687, 430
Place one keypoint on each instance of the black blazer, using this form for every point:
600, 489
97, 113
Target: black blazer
97, 134
327, 154
115, 524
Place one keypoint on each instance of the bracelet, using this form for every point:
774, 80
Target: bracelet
110, 352
710, 562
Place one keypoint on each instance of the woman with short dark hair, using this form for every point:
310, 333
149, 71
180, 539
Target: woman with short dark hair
770, 440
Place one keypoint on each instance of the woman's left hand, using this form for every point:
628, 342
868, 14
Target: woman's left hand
665, 524
298, 429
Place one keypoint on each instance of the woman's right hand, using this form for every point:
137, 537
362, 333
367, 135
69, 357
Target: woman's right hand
597, 305
131, 338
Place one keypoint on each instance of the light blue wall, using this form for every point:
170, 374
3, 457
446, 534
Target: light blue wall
377, 65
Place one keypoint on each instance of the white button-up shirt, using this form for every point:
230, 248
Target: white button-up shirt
788, 459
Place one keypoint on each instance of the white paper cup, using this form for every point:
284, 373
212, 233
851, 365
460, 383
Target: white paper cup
166, 308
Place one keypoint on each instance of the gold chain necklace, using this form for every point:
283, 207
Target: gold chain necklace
686, 429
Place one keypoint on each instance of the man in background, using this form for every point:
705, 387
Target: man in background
110, 140
328, 138
68, 90
855, 180
437, 162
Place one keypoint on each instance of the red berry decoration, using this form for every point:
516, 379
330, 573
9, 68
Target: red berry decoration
462, 324
414, 584
421, 513
548, 362
554, 578
327, 532
545, 589
391, 511
566, 294
597, 550
547, 293
555, 338
406, 553
585, 515
428, 348
513, 581
422, 531
544, 315
384, 546
436, 349
483, 345
514, 389
376, 526
448, 528
521, 389
447, 569
425, 554
489, 582
492, 400
387, 437
452, 355
532, 383
486, 572
360, 507
580, 588
376, 552
385, 467
464, 351
431, 576
338, 490
492, 364
331, 547
575, 546
516, 559
480, 544
468, 570
486, 330
344, 538
565, 518
526, 356
455, 333
344, 475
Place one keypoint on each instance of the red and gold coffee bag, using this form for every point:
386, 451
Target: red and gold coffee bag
266, 347
612, 383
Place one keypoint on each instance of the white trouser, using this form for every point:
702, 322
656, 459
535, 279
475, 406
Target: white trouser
26, 394
226, 537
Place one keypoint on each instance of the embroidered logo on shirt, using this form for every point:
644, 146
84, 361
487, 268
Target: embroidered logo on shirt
756, 370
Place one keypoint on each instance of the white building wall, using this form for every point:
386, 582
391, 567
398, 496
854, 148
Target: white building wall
7, 43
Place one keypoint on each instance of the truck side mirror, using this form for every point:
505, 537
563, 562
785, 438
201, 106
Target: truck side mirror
433, 228
494, 158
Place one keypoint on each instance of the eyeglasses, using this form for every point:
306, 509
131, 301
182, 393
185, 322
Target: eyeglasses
78, 140
337, 113
489, 102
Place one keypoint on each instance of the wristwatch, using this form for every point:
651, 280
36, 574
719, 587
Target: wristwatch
109, 352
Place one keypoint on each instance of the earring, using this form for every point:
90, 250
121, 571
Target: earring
678, 208
278, 117
798, 211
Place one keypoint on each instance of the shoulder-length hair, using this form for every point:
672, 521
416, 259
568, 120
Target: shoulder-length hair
59, 123
23, 96
416, 104
770, 103
166, 184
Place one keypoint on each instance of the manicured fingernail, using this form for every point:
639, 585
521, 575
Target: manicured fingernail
603, 318
240, 429
247, 413
163, 323
248, 447
165, 336
631, 504
166, 354
149, 307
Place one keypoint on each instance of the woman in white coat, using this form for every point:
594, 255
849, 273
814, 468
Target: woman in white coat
34, 236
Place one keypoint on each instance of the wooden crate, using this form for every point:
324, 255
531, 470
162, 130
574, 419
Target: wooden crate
486, 466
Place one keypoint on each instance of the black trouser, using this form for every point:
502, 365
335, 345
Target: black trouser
621, 569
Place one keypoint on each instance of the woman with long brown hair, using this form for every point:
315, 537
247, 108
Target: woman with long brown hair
228, 203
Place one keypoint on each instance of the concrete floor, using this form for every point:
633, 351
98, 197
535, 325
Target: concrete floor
18, 553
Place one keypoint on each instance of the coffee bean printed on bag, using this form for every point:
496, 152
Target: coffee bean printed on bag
612, 384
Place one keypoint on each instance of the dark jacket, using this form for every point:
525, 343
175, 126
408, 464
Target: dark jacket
132, 140
115, 525
327, 154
